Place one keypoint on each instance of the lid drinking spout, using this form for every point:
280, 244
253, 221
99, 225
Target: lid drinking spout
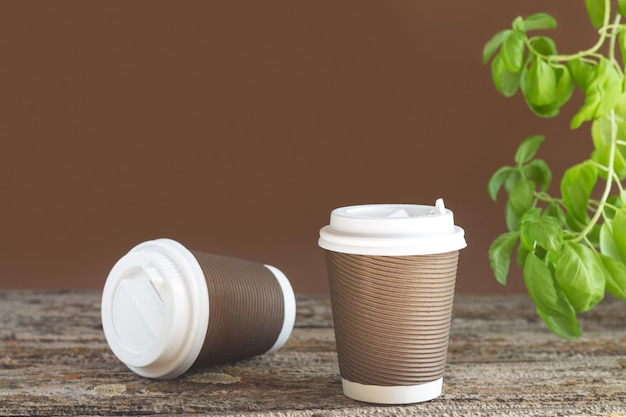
440, 208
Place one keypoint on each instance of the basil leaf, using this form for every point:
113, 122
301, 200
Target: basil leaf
496, 181
539, 85
576, 187
551, 110
518, 24
602, 131
621, 5
544, 45
564, 86
528, 148
596, 10
505, 81
615, 276
494, 43
565, 326
528, 217
621, 40
587, 111
513, 179
513, 51
602, 92
580, 274
511, 218
608, 246
602, 155
541, 286
613, 236
552, 305
522, 254
615, 201
521, 197
539, 21
618, 224
593, 236
544, 231
620, 108
550, 259
581, 72
500, 255
539, 172
609, 86
555, 210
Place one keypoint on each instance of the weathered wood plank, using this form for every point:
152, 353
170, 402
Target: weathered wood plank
54, 360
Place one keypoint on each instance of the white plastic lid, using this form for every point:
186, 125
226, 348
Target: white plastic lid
392, 230
155, 309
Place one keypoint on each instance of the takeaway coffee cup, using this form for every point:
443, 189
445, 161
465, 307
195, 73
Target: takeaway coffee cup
392, 270
166, 308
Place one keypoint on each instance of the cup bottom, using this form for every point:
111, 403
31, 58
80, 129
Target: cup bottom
404, 394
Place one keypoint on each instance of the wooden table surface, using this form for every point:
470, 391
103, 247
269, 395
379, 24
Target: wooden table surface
502, 361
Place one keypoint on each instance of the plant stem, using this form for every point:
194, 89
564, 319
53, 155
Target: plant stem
591, 51
599, 166
546, 198
612, 40
609, 182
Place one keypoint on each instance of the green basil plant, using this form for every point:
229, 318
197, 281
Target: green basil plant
571, 247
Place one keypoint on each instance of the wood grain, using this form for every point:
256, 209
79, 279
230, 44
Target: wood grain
54, 360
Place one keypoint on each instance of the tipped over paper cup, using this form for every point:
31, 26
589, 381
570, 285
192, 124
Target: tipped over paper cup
166, 308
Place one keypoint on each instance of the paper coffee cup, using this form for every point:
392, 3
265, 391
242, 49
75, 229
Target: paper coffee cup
166, 308
392, 271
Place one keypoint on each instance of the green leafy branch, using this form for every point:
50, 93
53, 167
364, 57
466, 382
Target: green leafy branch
571, 248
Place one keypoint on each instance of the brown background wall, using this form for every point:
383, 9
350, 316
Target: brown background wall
236, 126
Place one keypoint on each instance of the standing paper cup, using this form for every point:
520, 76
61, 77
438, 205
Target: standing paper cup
392, 271
166, 308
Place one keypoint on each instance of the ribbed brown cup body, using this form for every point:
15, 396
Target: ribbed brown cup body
392, 316
246, 309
